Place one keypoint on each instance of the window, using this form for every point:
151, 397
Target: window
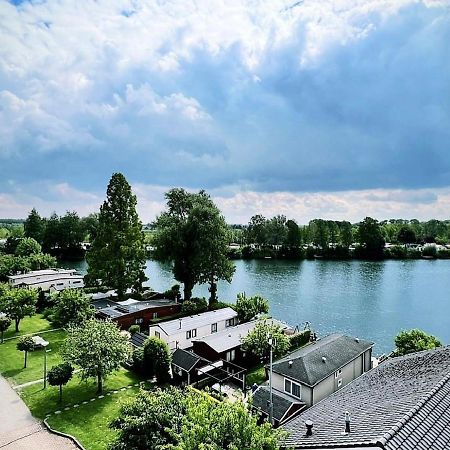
155, 315
194, 332
138, 320
214, 328
292, 388
231, 355
230, 322
339, 382
157, 334
188, 334
337, 374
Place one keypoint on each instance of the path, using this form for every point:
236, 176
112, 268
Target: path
31, 334
19, 430
31, 383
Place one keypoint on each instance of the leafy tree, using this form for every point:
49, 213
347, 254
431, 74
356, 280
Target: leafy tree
157, 359
320, 233
257, 231
415, 340
97, 347
34, 226
194, 306
370, 237
89, 225
5, 323
21, 303
257, 341
51, 233
345, 234
276, 230
72, 306
293, 236
249, 307
406, 235
192, 234
187, 420
28, 246
117, 256
70, 231
150, 421
25, 344
59, 376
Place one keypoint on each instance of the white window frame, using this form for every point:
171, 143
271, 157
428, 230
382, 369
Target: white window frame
231, 355
290, 389
188, 334
337, 374
194, 332
214, 327
339, 383
158, 334
155, 315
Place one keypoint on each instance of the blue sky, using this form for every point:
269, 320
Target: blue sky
336, 109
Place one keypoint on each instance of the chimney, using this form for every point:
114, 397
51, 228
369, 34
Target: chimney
347, 422
309, 427
324, 359
290, 363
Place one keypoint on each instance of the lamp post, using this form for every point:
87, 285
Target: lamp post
270, 341
45, 366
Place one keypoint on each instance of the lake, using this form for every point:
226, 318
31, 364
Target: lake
371, 300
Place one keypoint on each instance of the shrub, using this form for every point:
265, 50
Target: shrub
138, 360
299, 339
429, 250
157, 359
443, 254
194, 306
134, 329
249, 307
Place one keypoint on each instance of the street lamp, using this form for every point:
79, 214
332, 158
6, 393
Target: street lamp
45, 365
271, 342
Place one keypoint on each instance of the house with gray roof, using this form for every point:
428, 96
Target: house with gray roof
179, 333
317, 370
402, 404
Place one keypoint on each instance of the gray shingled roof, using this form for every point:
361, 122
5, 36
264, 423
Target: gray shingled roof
308, 365
281, 402
171, 327
138, 339
184, 359
402, 404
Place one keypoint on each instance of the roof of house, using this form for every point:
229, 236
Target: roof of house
175, 326
50, 278
184, 359
281, 402
232, 337
40, 273
404, 403
120, 309
316, 361
138, 339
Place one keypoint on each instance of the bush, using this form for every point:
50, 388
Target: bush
396, 252
157, 359
173, 293
249, 307
220, 305
443, 254
429, 250
194, 306
134, 329
138, 360
300, 339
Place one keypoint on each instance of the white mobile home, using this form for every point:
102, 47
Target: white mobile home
50, 280
179, 333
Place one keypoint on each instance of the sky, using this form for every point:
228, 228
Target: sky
338, 109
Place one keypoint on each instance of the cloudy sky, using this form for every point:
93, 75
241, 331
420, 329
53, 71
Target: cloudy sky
333, 108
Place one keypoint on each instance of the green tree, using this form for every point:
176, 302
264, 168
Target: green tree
370, 237
293, 236
25, 344
117, 256
257, 230
28, 246
72, 306
157, 359
34, 226
257, 341
97, 347
415, 340
320, 233
276, 230
345, 234
5, 323
70, 231
51, 233
194, 306
249, 307
406, 235
59, 376
192, 234
21, 303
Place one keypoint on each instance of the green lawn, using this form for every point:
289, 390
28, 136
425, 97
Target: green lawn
89, 423
11, 359
29, 325
256, 375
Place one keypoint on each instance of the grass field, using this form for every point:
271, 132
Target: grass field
29, 325
256, 375
89, 423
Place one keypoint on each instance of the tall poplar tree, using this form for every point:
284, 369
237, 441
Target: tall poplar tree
117, 256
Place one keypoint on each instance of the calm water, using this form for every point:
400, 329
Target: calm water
372, 300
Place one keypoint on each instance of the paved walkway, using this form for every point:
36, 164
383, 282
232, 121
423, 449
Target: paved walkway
19, 430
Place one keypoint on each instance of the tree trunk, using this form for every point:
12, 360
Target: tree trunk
17, 324
187, 291
60, 393
2, 336
25, 362
99, 383
213, 291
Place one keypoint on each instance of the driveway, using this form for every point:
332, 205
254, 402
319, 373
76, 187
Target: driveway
19, 430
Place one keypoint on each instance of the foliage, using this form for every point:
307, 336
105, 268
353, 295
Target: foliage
257, 340
134, 329
173, 293
370, 237
28, 246
406, 235
59, 376
193, 235
71, 306
25, 344
299, 339
157, 359
19, 303
415, 340
11, 264
194, 306
34, 226
5, 323
249, 307
97, 347
429, 250
117, 256
189, 420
